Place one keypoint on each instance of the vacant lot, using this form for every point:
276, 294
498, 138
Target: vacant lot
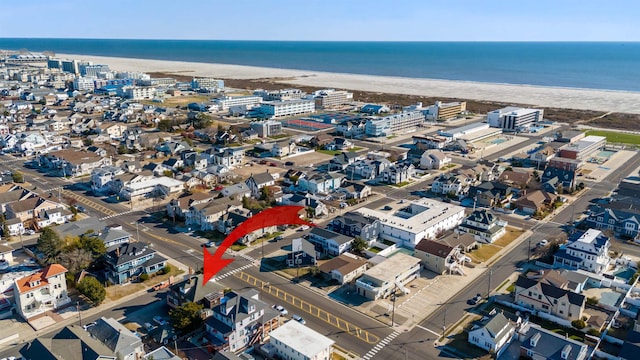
511, 234
617, 137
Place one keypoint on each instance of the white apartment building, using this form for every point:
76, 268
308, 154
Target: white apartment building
294, 341
513, 118
83, 84
41, 292
208, 84
394, 124
331, 97
267, 128
418, 220
227, 102
391, 274
280, 95
138, 92
274, 109
147, 186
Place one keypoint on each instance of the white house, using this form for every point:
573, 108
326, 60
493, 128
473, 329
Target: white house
294, 341
434, 159
41, 292
320, 183
588, 251
146, 186
484, 225
493, 335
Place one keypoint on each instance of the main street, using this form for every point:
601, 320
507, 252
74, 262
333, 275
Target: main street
419, 342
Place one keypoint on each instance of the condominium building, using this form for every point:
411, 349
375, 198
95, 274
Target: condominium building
513, 118
419, 219
331, 97
227, 102
445, 111
281, 108
138, 92
394, 124
280, 95
83, 84
267, 128
208, 84
90, 70
388, 276
582, 149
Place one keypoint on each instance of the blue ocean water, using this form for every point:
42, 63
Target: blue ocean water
597, 65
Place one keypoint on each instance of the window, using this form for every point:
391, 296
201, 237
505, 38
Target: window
611, 221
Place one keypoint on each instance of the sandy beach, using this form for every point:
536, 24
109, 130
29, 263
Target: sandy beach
584, 99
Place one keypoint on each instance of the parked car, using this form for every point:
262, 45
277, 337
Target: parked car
148, 326
299, 319
281, 309
387, 207
303, 228
543, 243
209, 244
273, 164
278, 238
475, 300
30, 232
159, 320
343, 205
289, 163
263, 162
81, 208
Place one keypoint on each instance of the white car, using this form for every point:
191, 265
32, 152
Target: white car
303, 228
299, 319
281, 309
543, 242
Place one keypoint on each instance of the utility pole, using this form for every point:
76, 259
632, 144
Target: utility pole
21, 242
529, 250
489, 285
137, 231
393, 301
79, 313
444, 322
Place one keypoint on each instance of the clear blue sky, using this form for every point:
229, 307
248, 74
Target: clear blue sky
371, 20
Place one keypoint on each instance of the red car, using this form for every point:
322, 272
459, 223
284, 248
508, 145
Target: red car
218, 187
263, 162
273, 164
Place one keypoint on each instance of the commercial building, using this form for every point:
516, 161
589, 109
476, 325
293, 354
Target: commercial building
583, 148
471, 132
331, 97
83, 84
513, 118
90, 70
388, 276
394, 124
207, 84
227, 102
282, 108
267, 128
445, 111
294, 341
419, 219
138, 92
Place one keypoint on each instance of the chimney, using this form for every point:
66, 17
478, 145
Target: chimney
118, 251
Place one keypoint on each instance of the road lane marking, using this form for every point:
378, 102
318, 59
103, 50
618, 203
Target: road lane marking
428, 330
326, 316
380, 345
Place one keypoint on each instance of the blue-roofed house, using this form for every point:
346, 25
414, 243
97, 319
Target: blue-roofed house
130, 260
585, 250
554, 176
625, 223
374, 109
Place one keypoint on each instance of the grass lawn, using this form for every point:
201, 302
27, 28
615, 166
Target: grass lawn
237, 247
210, 234
330, 152
172, 101
404, 183
281, 136
616, 137
484, 253
116, 292
462, 347
511, 234
356, 148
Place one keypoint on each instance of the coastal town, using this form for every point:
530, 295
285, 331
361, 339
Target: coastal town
440, 231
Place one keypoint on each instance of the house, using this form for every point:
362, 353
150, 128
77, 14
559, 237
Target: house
258, 181
71, 342
149, 187
6, 254
438, 256
295, 341
339, 144
228, 221
387, 277
355, 190
302, 253
342, 160
536, 342
191, 289
315, 208
208, 214
127, 261
493, 335
398, 173
546, 296
114, 235
321, 140
239, 191
322, 183
484, 225
73, 163
174, 164
229, 157
535, 202
330, 242
354, 224
29, 209
56, 216
451, 184
161, 353
180, 206
434, 160
80, 227
491, 194
41, 291
517, 179
624, 223
113, 130
543, 155
15, 226
240, 320
344, 268
556, 179
120, 340
588, 250
102, 178
171, 147
353, 128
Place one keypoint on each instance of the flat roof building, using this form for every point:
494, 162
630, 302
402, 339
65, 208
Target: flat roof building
227, 102
514, 118
471, 132
394, 124
445, 111
294, 341
282, 108
583, 148
331, 97
388, 276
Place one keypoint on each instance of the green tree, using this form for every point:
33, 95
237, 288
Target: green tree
186, 318
5, 227
93, 244
50, 245
17, 177
578, 324
122, 149
92, 289
358, 245
202, 121
311, 212
167, 173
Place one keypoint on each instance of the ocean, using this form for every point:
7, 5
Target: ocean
594, 65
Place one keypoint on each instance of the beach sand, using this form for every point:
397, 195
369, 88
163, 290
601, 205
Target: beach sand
554, 97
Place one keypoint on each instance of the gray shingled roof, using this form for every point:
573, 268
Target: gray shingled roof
115, 336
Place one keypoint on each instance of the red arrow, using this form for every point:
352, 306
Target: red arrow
279, 215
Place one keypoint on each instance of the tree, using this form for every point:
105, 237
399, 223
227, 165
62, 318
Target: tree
92, 289
358, 245
75, 260
92, 244
578, 324
559, 188
122, 149
186, 317
50, 245
311, 212
17, 177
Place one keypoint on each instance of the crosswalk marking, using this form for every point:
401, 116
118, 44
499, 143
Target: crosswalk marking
117, 214
380, 345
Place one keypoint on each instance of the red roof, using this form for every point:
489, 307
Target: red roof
24, 284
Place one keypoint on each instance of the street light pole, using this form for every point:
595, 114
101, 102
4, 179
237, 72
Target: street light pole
137, 231
529, 250
489, 285
79, 313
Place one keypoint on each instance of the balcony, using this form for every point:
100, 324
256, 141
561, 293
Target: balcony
366, 285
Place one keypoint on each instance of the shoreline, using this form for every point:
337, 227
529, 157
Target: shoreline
534, 95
